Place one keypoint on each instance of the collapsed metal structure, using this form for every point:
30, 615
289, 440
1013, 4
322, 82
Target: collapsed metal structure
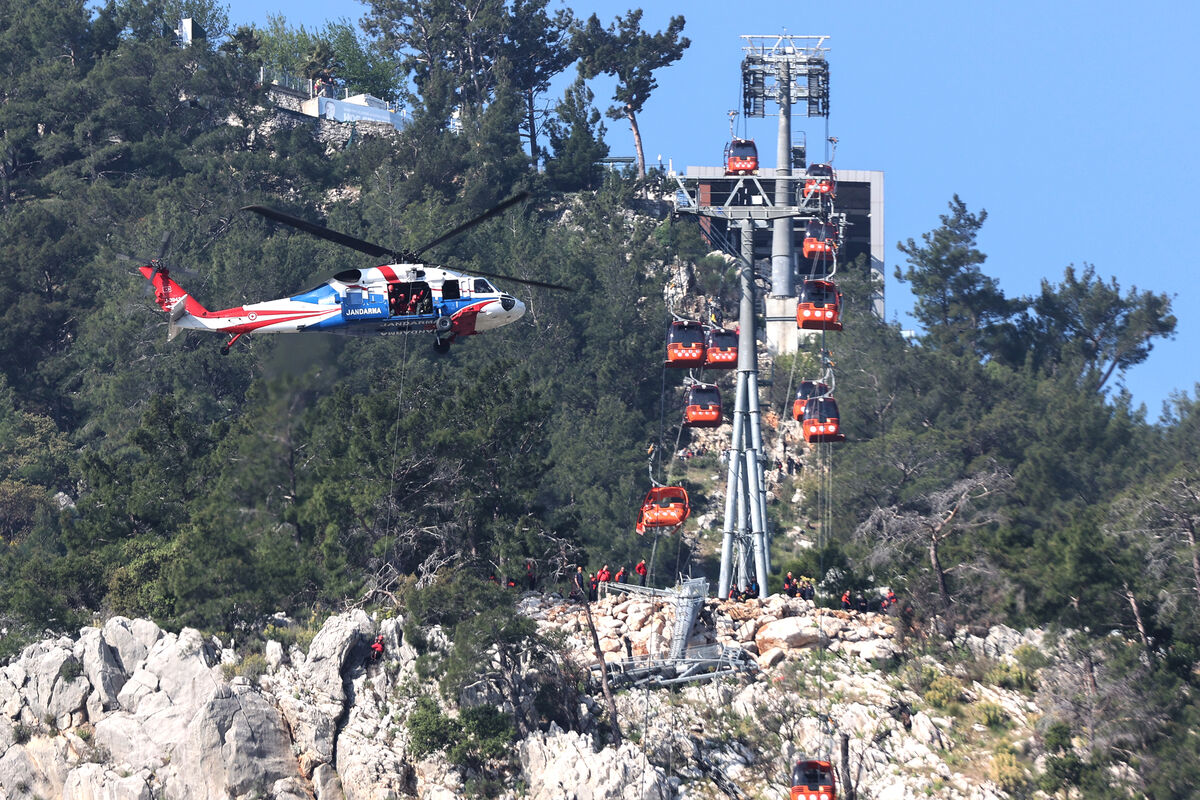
680, 664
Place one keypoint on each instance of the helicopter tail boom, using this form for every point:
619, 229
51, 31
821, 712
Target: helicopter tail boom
170, 296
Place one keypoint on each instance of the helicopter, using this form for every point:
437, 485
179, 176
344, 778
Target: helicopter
401, 297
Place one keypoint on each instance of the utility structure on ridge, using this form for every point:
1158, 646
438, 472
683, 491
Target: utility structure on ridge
791, 69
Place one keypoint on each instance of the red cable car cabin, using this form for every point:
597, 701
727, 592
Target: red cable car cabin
821, 422
820, 237
813, 780
720, 348
819, 307
820, 181
741, 157
807, 391
703, 409
664, 507
685, 344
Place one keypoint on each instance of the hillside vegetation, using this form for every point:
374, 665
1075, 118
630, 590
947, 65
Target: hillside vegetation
996, 470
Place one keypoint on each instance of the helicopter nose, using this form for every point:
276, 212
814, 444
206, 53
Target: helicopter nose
501, 311
515, 308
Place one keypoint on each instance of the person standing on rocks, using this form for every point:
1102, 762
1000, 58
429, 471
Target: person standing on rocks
789, 585
620, 576
640, 569
846, 600
579, 585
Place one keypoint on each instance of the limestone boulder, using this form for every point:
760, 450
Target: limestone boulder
313, 696
130, 640
91, 781
556, 765
104, 672
789, 633
235, 744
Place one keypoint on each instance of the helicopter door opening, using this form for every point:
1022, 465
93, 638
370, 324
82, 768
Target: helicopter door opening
405, 299
361, 304
450, 290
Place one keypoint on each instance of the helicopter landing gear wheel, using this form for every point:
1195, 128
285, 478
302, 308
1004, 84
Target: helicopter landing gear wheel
443, 324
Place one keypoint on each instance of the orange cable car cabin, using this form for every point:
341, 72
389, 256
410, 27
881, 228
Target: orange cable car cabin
820, 237
720, 348
807, 391
819, 306
813, 780
741, 157
821, 422
664, 507
685, 344
703, 408
820, 180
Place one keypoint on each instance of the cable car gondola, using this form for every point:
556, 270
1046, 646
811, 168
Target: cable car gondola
703, 408
664, 507
819, 306
807, 391
820, 237
821, 422
820, 181
813, 780
685, 344
741, 157
720, 348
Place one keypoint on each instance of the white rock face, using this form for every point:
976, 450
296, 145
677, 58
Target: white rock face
129, 712
559, 765
312, 696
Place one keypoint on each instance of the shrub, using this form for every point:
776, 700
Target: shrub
70, 670
943, 691
253, 667
429, 730
1009, 676
1030, 658
991, 715
1006, 772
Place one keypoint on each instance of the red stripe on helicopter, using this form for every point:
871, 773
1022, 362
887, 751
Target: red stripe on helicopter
388, 273
247, 327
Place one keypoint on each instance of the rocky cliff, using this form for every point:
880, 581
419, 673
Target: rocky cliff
127, 711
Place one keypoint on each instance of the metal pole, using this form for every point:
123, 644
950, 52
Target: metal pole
756, 442
783, 282
731, 492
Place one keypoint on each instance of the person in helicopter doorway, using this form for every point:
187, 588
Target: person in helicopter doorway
377, 647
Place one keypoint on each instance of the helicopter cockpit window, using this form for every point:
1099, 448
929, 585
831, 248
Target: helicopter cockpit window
482, 286
348, 276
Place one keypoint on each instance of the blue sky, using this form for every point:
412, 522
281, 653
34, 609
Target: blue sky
1072, 123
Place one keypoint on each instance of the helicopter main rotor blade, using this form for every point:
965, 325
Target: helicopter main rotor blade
471, 223
320, 231
542, 284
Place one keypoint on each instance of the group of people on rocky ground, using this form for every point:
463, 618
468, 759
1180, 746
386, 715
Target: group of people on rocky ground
587, 586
